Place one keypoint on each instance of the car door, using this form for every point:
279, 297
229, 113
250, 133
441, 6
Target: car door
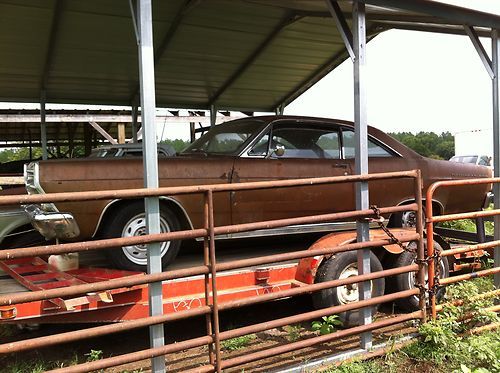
292, 150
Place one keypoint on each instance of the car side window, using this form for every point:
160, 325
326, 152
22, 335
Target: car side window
374, 149
260, 148
300, 142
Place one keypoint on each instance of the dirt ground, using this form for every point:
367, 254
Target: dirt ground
122, 343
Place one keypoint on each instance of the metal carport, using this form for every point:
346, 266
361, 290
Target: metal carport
252, 55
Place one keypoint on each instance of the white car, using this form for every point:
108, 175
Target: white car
480, 160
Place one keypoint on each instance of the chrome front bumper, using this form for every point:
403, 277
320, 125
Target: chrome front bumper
52, 224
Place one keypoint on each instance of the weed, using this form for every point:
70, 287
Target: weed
94, 355
293, 332
327, 325
237, 343
8, 331
36, 366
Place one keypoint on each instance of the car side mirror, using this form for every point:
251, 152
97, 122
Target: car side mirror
279, 150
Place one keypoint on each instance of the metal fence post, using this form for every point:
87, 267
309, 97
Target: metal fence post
361, 156
150, 159
213, 274
206, 261
495, 43
417, 182
43, 125
135, 117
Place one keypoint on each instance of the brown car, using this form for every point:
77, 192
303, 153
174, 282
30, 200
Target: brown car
250, 149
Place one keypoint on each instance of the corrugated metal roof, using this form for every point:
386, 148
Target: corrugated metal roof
236, 54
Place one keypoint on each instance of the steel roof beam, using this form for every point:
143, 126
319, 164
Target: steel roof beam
342, 26
436, 28
485, 59
446, 12
288, 20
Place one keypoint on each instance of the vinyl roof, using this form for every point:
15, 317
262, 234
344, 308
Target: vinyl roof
250, 55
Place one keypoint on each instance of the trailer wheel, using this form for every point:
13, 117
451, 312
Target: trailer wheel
407, 281
342, 266
130, 221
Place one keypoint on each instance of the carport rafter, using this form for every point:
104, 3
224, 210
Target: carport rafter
289, 19
342, 26
49, 54
485, 59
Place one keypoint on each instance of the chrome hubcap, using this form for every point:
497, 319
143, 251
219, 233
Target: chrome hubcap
348, 293
136, 226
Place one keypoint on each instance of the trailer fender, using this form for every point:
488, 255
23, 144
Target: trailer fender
307, 268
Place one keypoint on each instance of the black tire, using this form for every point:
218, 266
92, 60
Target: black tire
128, 219
406, 281
339, 266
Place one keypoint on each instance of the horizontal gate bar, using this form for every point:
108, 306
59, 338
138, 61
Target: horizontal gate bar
178, 346
469, 276
140, 323
153, 192
15, 298
195, 233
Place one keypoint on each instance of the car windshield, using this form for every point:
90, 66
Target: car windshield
226, 138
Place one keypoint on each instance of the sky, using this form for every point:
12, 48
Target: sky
416, 82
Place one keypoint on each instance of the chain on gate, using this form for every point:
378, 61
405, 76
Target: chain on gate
436, 257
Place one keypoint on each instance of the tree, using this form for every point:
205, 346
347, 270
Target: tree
428, 144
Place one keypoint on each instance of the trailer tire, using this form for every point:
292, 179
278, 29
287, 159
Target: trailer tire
345, 265
129, 221
406, 281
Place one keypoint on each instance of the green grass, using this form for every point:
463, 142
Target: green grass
237, 343
445, 345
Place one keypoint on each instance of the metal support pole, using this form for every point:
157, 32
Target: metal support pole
420, 246
135, 115
495, 43
192, 133
43, 125
361, 156
213, 115
150, 159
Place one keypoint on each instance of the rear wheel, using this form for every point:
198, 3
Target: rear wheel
407, 281
130, 221
342, 266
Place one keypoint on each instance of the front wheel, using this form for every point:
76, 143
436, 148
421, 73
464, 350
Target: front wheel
130, 221
342, 266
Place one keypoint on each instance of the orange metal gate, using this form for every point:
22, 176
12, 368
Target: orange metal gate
210, 270
434, 256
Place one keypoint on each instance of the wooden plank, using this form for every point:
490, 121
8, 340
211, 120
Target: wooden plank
11, 180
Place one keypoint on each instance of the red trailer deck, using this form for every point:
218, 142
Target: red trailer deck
131, 302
